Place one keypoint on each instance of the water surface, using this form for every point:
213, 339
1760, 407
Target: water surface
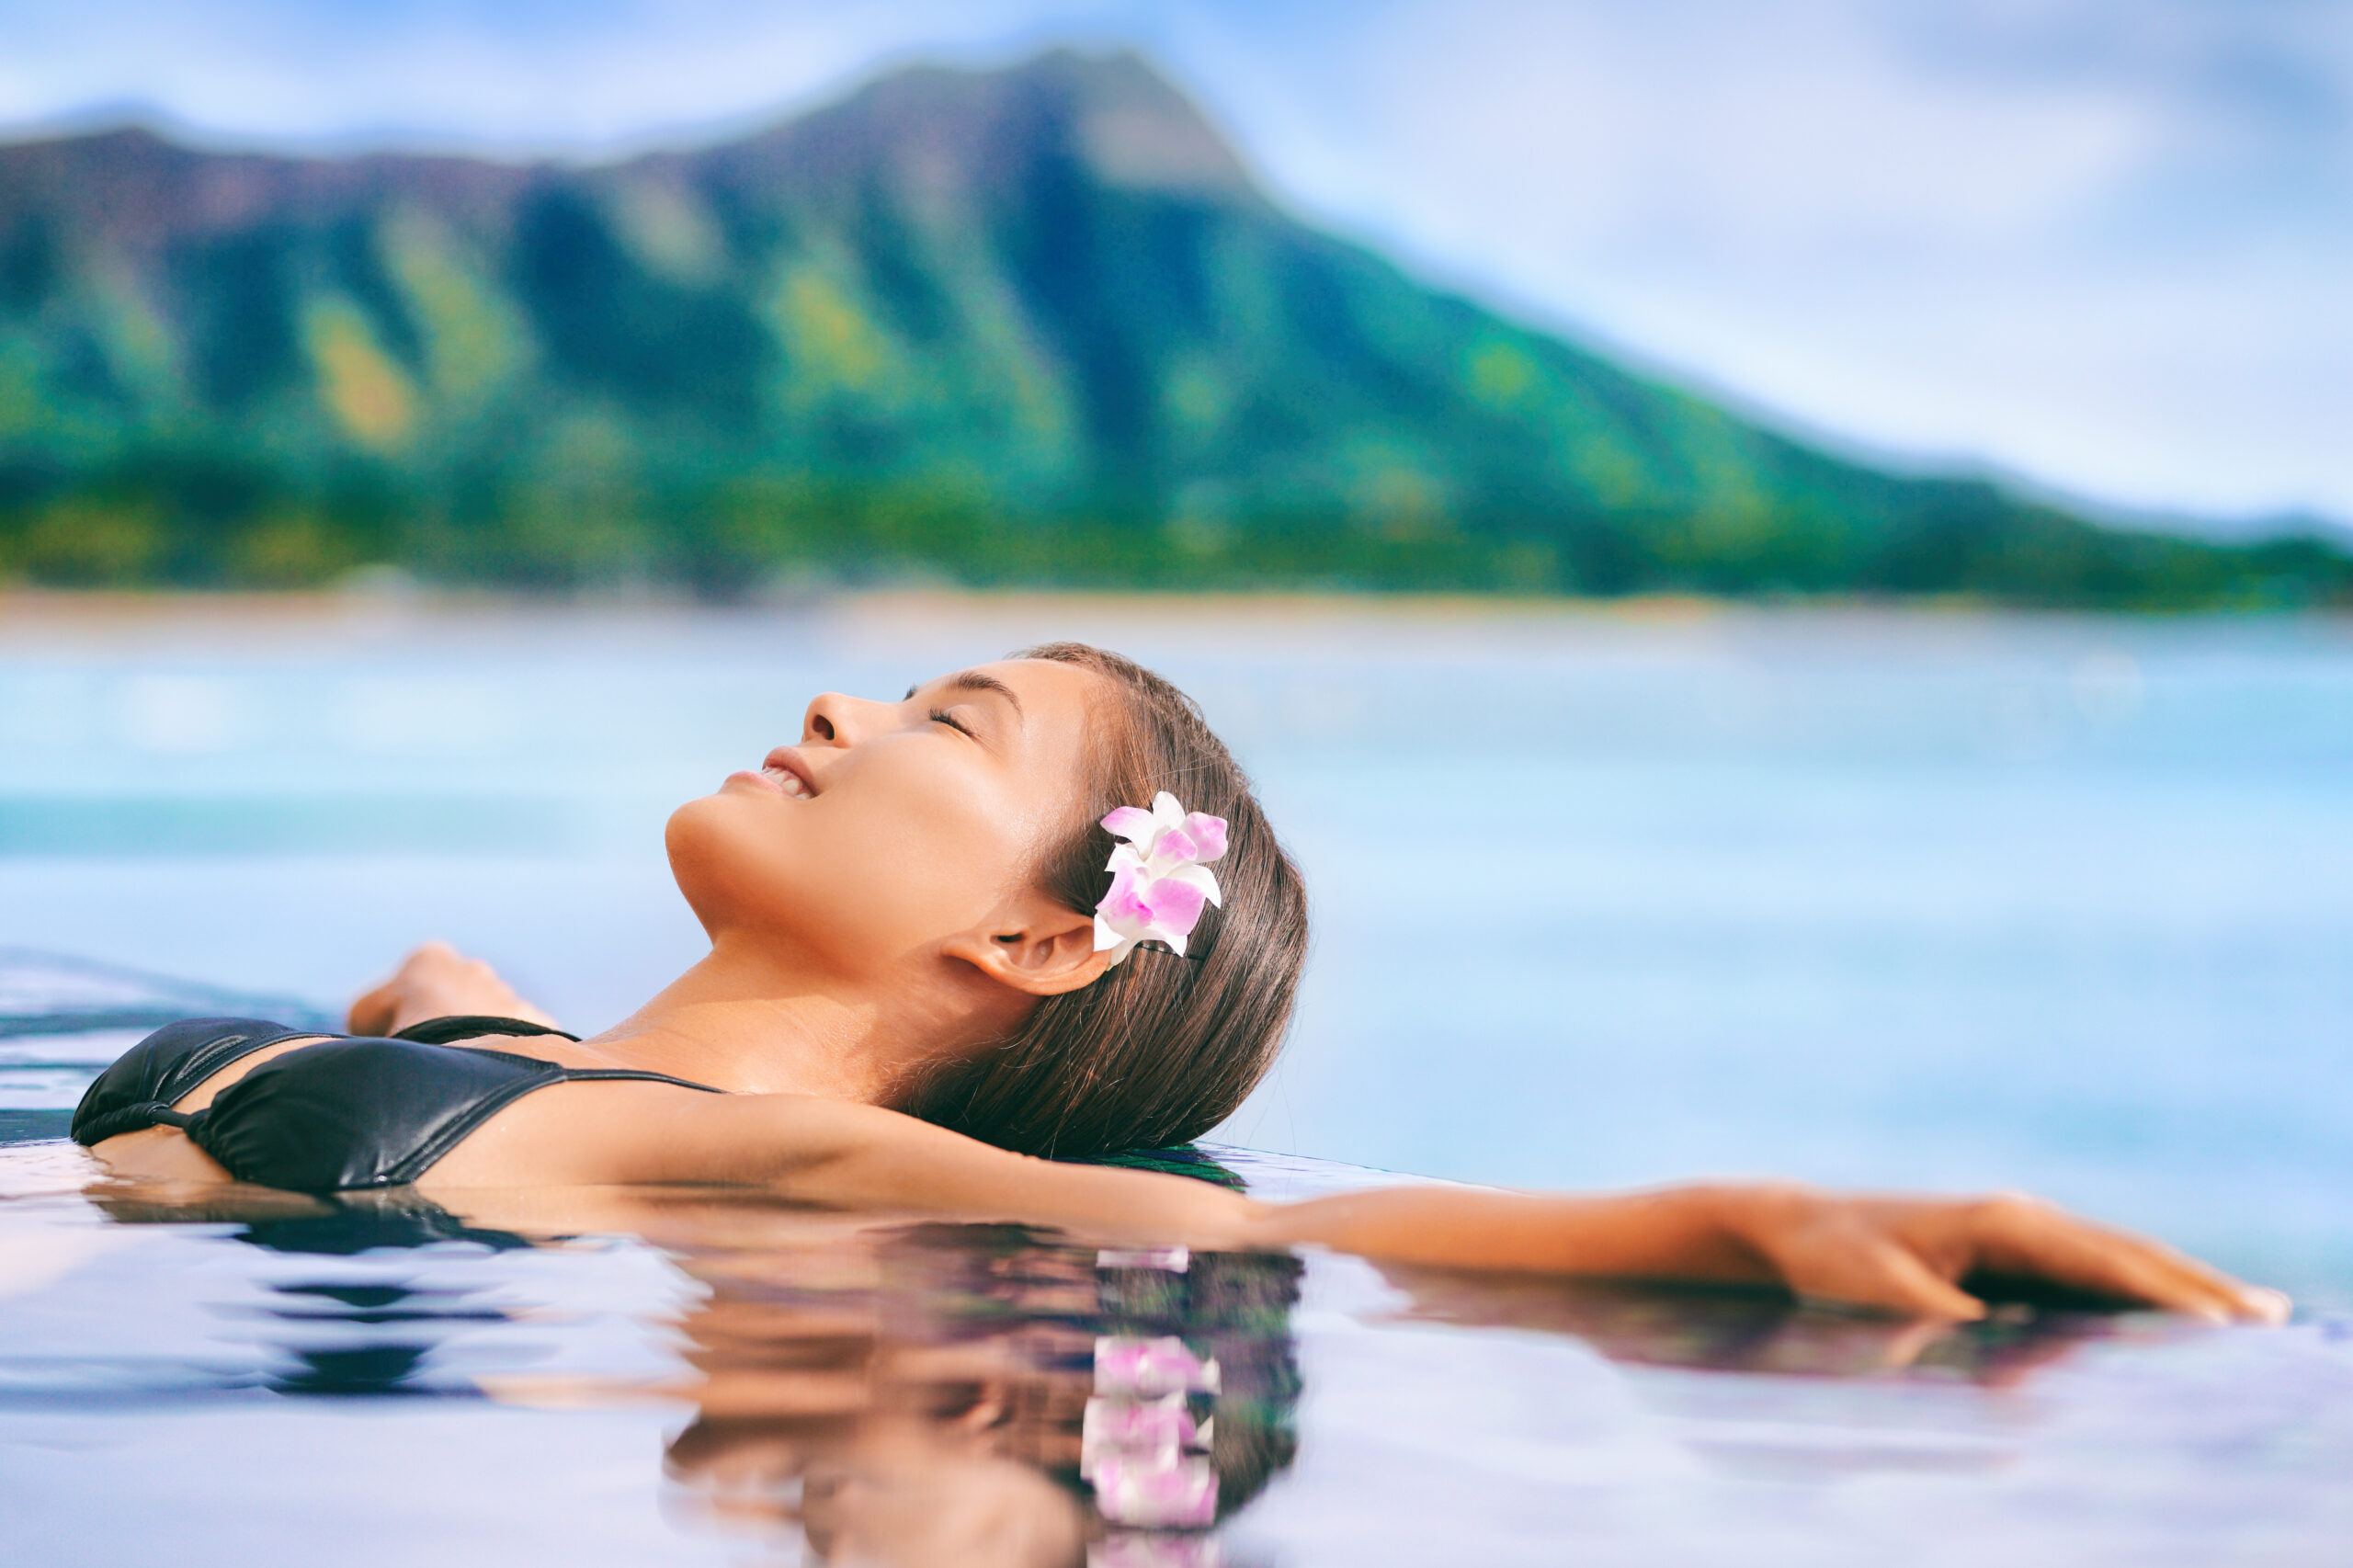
1941, 900
672, 1377
1938, 899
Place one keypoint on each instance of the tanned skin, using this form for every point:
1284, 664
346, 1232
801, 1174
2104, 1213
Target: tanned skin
869, 899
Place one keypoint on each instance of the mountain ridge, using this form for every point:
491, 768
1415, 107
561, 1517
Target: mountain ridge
1034, 324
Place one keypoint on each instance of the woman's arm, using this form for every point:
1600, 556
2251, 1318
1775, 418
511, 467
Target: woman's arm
1904, 1255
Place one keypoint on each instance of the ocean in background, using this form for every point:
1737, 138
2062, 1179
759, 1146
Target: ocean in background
1929, 899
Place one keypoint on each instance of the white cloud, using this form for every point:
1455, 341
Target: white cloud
2102, 242
1751, 130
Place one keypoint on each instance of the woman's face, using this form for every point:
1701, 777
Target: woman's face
890, 827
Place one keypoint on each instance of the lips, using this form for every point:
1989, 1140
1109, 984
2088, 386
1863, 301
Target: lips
784, 771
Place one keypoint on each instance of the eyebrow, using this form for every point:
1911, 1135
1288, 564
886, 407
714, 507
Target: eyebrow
974, 680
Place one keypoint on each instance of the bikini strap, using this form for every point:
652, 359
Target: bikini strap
134, 1119
472, 1026
578, 1075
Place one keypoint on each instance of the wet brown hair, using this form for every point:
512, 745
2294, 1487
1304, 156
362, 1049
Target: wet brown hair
1161, 1048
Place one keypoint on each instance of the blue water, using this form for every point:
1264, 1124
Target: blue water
679, 1377
1941, 900
1938, 899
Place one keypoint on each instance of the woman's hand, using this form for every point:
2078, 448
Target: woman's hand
1910, 1254
435, 981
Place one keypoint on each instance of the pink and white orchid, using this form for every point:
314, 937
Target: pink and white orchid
1159, 877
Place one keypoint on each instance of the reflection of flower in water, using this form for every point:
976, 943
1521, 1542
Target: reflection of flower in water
878, 1394
1148, 1366
1146, 1456
1152, 1490
960, 1400
1141, 1447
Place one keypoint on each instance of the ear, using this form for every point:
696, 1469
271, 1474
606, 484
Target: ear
1033, 946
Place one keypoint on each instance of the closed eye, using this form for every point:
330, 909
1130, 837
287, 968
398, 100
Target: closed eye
941, 716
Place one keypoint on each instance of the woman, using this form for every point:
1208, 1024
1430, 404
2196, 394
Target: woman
924, 989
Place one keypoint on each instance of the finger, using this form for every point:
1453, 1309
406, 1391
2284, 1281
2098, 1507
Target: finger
2024, 1237
2034, 1239
2261, 1304
2243, 1303
1866, 1269
2178, 1286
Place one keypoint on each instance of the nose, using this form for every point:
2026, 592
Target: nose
834, 720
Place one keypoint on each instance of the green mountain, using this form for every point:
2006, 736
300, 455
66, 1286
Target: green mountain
1033, 326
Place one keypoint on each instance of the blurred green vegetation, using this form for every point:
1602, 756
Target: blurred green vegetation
1025, 328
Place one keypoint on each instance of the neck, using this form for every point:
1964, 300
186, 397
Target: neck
752, 1021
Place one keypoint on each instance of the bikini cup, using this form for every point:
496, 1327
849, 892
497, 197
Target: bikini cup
350, 1112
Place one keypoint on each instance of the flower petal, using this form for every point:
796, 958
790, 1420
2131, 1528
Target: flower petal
1126, 907
1166, 815
1131, 823
1174, 847
1105, 937
1175, 904
1200, 837
1196, 877
1207, 834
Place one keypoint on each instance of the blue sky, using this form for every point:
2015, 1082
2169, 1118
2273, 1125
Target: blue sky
2103, 244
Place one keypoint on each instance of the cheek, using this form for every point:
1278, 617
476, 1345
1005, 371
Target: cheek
915, 858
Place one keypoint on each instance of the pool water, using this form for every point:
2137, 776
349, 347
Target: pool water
673, 1376
1936, 900
1927, 901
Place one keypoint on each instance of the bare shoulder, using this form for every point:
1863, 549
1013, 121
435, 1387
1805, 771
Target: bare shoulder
629, 1131
836, 1154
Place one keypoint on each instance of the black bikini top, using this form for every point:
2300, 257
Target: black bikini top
349, 1111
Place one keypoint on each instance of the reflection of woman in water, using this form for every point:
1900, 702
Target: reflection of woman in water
948, 1406
913, 1394
923, 976
927, 1393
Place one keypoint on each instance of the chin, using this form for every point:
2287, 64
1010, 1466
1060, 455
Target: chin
718, 854
748, 863
688, 825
